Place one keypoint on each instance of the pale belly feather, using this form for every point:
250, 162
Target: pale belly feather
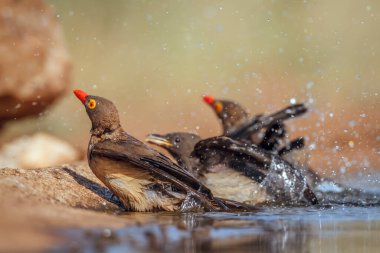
133, 187
230, 184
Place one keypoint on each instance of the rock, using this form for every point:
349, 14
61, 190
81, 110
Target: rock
34, 65
66, 185
37, 151
35, 204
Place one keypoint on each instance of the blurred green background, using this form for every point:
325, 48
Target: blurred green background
155, 59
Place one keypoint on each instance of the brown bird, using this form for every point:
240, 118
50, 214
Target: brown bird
228, 170
238, 171
283, 183
238, 125
230, 113
141, 177
179, 145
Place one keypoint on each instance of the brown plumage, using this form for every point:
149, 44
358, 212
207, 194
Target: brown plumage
230, 113
238, 171
179, 145
141, 177
283, 182
237, 124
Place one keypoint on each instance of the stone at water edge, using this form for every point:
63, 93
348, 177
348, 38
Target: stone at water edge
37, 151
71, 185
35, 66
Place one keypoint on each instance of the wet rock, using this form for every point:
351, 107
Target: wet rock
67, 185
34, 65
37, 151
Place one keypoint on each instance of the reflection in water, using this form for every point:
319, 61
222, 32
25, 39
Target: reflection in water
277, 230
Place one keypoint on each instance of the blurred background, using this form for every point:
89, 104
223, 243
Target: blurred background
155, 60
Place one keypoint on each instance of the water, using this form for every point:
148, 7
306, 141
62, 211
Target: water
323, 229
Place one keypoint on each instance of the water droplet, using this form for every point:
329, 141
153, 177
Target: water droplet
312, 146
352, 123
309, 84
107, 232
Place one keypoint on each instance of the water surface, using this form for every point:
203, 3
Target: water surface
323, 229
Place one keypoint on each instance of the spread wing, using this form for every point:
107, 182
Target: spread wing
231, 146
132, 151
242, 157
258, 122
247, 153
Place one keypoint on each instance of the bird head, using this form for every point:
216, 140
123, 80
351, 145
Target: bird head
216, 105
179, 144
102, 112
229, 112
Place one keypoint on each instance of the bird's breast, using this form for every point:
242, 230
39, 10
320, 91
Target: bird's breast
134, 186
228, 183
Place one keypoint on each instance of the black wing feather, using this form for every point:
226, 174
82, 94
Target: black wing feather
255, 124
157, 164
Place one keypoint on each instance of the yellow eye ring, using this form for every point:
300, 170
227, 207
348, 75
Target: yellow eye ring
91, 104
218, 107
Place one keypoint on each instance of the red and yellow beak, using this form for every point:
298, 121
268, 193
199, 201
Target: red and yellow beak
209, 99
81, 95
216, 105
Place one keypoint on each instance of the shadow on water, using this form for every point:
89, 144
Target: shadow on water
338, 228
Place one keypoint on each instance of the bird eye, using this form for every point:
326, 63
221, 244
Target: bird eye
91, 104
177, 140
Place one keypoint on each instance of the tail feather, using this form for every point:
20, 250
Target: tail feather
233, 205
